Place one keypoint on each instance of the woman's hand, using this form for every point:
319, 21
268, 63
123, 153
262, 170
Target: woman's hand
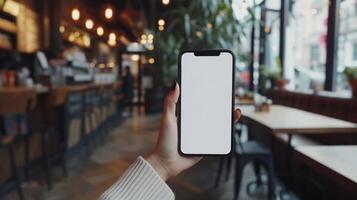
165, 158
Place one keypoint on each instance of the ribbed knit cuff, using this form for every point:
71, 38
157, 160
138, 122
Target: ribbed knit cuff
139, 182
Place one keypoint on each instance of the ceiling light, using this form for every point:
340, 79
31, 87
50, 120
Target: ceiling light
165, 2
135, 57
161, 28
112, 42
89, 24
112, 36
151, 60
62, 29
86, 40
161, 22
150, 37
76, 14
111, 65
101, 66
100, 31
108, 13
143, 37
143, 41
71, 37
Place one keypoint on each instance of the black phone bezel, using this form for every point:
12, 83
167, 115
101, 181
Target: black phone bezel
214, 52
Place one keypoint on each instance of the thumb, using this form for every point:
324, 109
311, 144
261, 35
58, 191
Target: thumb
171, 99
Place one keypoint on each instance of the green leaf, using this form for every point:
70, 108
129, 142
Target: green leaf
188, 17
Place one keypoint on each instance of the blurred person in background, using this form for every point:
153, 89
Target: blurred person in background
128, 90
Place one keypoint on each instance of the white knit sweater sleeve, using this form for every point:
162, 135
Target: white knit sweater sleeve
139, 182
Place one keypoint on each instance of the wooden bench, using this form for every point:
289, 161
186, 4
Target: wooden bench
337, 107
336, 163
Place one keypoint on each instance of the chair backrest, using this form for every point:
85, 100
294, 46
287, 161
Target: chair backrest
18, 100
58, 96
16, 105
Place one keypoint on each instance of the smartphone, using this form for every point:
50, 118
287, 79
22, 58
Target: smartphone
206, 103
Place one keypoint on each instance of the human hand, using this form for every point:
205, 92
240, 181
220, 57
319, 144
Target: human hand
165, 158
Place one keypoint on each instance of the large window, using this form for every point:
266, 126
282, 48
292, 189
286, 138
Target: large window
354, 52
347, 43
242, 11
272, 40
306, 44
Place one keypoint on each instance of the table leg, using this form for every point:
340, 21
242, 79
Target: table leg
286, 193
272, 147
289, 159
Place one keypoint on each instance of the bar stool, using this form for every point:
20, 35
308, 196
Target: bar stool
67, 104
89, 118
105, 109
15, 107
96, 116
40, 128
73, 125
112, 107
117, 98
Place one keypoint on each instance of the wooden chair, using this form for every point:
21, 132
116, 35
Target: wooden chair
17, 102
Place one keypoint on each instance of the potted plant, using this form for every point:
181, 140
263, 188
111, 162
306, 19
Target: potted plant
351, 75
275, 76
282, 83
208, 24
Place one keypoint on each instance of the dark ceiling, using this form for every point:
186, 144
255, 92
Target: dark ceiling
130, 16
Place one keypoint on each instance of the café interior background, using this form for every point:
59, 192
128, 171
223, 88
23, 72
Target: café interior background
71, 122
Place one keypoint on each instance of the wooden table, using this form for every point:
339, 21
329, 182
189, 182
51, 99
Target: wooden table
244, 101
283, 119
291, 121
340, 162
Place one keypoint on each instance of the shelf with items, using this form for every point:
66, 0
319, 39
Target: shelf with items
8, 31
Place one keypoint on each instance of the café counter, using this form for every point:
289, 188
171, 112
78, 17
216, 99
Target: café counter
43, 125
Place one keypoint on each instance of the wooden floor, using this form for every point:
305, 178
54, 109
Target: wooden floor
135, 136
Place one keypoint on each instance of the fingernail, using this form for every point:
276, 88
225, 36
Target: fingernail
173, 85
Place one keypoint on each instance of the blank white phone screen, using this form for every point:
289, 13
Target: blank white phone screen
206, 103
